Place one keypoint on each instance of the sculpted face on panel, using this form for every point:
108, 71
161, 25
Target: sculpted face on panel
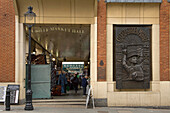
132, 56
135, 68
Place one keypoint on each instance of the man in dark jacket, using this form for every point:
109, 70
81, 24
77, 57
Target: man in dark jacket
75, 82
84, 85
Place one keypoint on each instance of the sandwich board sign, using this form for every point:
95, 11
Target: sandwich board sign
14, 93
2, 93
90, 96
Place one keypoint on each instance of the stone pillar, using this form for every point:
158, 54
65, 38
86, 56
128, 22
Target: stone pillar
164, 41
101, 41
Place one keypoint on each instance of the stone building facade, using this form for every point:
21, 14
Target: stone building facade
102, 16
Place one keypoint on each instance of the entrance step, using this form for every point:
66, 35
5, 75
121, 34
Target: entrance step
59, 102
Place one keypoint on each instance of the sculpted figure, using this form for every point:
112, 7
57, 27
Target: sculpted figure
134, 69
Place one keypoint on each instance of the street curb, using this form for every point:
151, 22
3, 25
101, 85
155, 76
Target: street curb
147, 107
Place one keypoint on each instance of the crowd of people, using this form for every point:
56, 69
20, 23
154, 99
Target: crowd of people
73, 81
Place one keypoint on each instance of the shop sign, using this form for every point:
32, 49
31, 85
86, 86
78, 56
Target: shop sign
14, 93
73, 66
62, 29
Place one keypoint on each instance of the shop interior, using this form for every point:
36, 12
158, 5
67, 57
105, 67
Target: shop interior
57, 49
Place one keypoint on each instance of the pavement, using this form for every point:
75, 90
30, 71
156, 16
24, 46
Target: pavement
79, 109
72, 103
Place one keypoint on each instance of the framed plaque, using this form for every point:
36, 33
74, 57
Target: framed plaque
2, 93
132, 56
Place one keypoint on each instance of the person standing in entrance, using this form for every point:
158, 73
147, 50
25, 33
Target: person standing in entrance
75, 82
84, 84
88, 84
62, 81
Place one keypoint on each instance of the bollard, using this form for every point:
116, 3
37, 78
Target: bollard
8, 100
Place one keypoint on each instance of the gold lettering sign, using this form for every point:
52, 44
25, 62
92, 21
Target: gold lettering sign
62, 29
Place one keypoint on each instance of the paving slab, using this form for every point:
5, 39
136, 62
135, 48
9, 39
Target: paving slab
79, 109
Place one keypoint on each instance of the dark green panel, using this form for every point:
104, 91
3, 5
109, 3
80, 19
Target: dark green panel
40, 81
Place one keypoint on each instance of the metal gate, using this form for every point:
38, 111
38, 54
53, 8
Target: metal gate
40, 81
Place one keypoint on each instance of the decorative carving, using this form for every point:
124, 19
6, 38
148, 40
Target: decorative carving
135, 69
132, 56
101, 63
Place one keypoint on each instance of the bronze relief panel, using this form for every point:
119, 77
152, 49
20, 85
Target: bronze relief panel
132, 56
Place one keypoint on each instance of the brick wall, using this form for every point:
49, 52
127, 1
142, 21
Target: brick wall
7, 41
101, 41
164, 41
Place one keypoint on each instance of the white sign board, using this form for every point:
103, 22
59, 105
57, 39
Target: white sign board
2, 93
90, 96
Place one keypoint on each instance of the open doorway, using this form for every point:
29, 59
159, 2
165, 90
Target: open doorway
59, 50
